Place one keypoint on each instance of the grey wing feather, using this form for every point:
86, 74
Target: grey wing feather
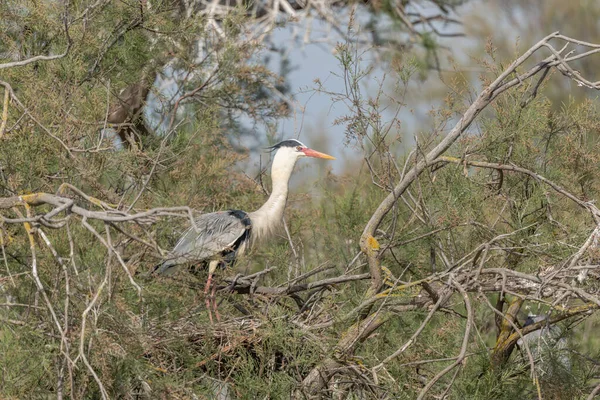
217, 232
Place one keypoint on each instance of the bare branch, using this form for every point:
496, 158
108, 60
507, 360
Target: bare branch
463, 349
41, 57
500, 85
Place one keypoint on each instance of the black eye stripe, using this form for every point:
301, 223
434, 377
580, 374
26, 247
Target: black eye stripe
293, 143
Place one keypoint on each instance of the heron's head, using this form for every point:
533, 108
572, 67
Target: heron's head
292, 150
534, 318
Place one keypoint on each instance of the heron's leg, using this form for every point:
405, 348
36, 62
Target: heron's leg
212, 266
213, 298
207, 302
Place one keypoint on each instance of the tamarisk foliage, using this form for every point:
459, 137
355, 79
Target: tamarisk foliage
411, 278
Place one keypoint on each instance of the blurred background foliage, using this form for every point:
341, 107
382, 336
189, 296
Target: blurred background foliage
209, 100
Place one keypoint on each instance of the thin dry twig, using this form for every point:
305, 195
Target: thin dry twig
463, 348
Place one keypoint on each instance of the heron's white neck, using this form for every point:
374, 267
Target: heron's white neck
268, 218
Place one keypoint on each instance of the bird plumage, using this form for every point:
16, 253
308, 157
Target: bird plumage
548, 345
221, 236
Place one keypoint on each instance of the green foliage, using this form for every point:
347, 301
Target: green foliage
161, 344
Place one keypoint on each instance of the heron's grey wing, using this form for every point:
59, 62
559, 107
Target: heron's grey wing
217, 233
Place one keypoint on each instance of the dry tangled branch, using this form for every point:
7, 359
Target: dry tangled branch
556, 286
487, 265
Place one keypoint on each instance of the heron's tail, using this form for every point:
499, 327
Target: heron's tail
167, 267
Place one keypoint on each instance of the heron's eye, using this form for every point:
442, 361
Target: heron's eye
299, 148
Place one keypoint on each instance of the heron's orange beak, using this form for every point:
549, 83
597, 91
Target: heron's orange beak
316, 154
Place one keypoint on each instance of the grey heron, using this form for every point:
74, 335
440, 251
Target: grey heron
548, 344
222, 236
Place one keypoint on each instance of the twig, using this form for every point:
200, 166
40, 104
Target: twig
116, 253
463, 348
4, 112
442, 299
594, 392
40, 57
84, 314
2, 235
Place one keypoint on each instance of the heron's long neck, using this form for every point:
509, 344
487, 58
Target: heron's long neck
267, 218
